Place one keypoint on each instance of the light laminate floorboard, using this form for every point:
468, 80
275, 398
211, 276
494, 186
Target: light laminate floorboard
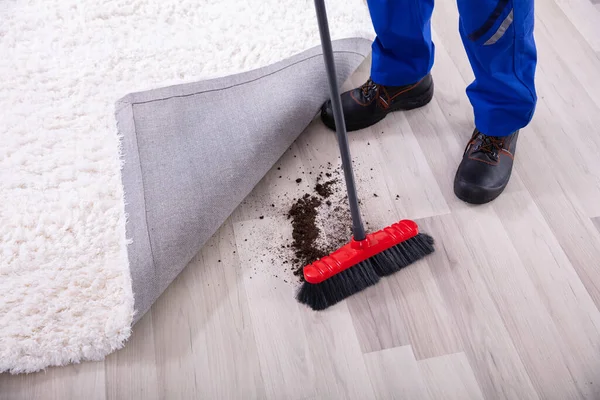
499, 370
203, 329
283, 347
585, 17
450, 377
131, 373
405, 309
525, 317
506, 308
396, 375
596, 222
84, 381
558, 286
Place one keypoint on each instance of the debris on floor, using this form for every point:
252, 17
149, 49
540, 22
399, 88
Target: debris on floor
320, 223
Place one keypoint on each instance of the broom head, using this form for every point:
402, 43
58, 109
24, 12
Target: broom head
360, 264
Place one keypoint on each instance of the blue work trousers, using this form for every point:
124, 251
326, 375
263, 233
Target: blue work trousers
498, 38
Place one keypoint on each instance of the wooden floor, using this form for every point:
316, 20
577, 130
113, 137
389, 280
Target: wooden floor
507, 307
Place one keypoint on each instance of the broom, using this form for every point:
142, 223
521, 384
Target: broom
367, 257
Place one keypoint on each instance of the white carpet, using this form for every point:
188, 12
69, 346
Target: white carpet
65, 285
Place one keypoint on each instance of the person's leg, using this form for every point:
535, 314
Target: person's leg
403, 52
498, 38
402, 59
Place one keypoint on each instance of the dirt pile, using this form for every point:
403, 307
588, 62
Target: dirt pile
304, 228
320, 221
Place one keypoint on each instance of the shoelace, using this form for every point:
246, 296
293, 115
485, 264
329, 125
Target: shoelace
369, 89
490, 145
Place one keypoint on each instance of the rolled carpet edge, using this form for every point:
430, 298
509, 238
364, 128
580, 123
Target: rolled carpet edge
192, 153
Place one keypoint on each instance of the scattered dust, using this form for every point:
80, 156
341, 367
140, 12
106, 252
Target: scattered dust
320, 222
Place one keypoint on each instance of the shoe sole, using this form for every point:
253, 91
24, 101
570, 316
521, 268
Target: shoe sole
401, 105
476, 197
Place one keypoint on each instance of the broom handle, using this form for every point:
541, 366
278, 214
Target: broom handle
358, 229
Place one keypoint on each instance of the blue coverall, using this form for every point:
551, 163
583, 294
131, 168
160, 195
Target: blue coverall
498, 38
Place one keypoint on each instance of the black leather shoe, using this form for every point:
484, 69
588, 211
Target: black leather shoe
485, 168
370, 103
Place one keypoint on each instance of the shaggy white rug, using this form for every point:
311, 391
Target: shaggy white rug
65, 285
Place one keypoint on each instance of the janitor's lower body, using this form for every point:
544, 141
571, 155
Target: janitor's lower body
498, 38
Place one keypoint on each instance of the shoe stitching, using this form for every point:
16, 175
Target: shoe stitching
406, 90
385, 104
508, 153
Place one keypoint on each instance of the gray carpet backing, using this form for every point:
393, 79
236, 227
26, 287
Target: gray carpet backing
193, 152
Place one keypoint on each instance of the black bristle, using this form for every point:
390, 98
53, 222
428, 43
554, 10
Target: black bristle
319, 296
367, 273
403, 254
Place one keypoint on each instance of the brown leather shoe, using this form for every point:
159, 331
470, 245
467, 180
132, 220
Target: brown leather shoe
370, 103
485, 168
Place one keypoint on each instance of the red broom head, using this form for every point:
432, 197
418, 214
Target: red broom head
358, 251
